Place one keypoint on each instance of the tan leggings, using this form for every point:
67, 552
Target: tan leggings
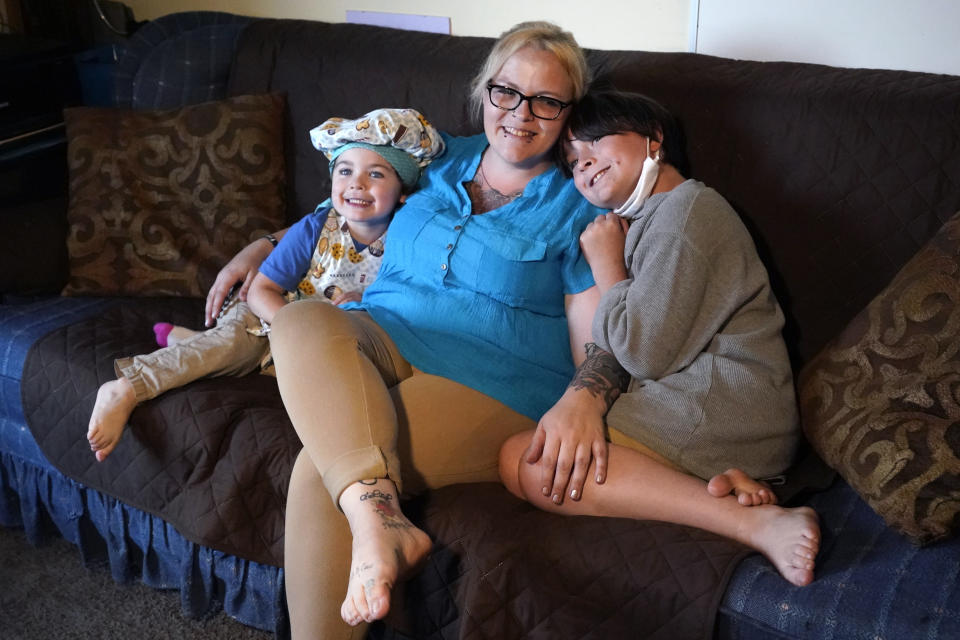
362, 411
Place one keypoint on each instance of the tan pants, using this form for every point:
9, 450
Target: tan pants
362, 411
227, 349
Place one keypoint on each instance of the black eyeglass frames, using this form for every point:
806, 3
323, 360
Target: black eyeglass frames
543, 107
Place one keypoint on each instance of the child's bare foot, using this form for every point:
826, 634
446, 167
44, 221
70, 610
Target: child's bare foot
387, 547
789, 538
749, 492
116, 400
170, 334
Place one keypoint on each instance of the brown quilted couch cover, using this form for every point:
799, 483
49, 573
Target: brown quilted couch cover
213, 458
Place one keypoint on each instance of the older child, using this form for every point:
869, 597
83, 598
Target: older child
332, 254
691, 318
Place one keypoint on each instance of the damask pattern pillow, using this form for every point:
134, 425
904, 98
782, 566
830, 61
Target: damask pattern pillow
881, 403
161, 200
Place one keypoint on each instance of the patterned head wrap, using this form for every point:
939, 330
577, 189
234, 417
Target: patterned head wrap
403, 137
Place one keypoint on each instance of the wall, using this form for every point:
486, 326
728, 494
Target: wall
919, 35
618, 25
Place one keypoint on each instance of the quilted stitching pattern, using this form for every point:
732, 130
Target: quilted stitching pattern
548, 576
20, 326
187, 455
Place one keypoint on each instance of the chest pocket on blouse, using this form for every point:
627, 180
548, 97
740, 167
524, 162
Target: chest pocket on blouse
517, 271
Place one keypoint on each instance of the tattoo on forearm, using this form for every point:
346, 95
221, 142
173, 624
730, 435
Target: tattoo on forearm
601, 375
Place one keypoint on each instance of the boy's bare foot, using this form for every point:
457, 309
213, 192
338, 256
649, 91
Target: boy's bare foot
749, 492
116, 400
387, 547
789, 538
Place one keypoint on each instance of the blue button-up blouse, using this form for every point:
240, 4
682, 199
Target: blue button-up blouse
480, 298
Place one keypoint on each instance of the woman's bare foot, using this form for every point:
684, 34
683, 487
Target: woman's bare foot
116, 400
789, 538
749, 492
387, 547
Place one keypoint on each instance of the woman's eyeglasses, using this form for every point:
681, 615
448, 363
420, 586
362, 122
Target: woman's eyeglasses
543, 107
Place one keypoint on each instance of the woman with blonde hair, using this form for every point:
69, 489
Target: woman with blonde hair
470, 333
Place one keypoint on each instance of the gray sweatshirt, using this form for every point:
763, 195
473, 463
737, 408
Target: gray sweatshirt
698, 328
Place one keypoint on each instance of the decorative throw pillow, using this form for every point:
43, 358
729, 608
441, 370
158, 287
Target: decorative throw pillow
161, 200
881, 403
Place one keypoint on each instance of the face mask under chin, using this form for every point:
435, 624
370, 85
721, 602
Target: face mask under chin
648, 177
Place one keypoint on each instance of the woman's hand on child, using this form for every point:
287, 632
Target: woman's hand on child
603, 243
242, 268
568, 438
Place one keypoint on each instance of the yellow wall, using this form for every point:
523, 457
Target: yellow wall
654, 25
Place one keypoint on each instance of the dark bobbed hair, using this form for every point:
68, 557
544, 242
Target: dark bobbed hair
604, 112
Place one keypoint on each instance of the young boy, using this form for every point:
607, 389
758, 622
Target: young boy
333, 254
687, 311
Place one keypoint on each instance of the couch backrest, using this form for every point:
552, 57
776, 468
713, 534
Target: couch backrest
840, 174
343, 69
177, 59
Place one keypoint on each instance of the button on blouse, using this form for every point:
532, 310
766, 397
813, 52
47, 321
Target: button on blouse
492, 316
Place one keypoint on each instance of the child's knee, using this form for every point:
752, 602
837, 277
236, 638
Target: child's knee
511, 453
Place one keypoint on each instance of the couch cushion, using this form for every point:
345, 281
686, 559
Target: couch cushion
870, 583
879, 404
21, 325
160, 200
502, 569
212, 458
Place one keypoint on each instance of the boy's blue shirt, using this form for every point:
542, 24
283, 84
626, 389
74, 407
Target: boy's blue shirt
287, 264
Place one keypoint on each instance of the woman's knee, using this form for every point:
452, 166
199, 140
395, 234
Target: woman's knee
511, 454
293, 318
302, 329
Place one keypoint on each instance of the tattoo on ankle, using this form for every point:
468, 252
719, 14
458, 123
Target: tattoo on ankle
390, 517
601, 375
376, 493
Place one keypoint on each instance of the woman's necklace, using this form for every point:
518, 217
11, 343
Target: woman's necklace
486, 181
484, 196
